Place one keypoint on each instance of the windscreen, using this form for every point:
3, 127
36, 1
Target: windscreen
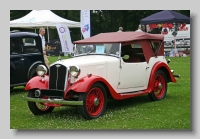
99, 49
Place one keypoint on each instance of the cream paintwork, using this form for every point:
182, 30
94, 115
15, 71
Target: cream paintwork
132, 75
96, 65
108, 67
145, 78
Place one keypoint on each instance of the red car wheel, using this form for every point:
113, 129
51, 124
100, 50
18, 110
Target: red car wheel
94, 102
160, 86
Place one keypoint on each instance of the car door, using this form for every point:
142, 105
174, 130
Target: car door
132, 75
32, 53
17, 68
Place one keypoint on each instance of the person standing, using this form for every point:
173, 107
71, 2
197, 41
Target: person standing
41, 34
139, 29
120, 29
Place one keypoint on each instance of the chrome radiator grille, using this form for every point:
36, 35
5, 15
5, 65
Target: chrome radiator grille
57, 77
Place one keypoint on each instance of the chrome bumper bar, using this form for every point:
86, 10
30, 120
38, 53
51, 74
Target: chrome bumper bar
64, 102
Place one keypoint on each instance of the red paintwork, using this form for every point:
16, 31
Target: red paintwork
84, 84
153, 72
36, 82
50, 104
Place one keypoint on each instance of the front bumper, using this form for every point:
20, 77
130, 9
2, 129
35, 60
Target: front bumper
54, 101
175, 75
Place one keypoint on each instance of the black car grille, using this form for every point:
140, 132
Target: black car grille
57, 77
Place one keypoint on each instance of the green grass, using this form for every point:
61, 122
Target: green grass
172, 113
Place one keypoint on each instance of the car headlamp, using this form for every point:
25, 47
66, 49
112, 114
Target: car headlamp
41, 70
74, 71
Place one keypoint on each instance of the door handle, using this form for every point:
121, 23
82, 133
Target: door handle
147, 67
22, 59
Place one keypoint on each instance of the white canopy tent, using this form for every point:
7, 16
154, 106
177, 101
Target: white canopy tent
42, 18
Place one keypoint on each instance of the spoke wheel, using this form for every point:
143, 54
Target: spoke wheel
94, 102
38, 108
160, 86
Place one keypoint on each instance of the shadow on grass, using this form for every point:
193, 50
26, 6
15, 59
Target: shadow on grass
140, 100
72, 112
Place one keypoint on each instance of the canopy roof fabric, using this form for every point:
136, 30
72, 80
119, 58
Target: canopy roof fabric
166, 16
42, 18
120, 37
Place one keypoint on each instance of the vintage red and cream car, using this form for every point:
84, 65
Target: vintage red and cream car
115, 65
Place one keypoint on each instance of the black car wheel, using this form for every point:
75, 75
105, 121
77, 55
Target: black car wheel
94, 102
32, 73
38, 108
160, 86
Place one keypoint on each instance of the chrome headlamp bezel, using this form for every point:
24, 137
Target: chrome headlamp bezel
74, 71
41, 70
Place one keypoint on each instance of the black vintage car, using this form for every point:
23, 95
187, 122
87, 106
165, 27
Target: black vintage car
25, 55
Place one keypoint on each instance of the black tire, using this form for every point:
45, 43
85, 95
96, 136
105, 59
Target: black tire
34, 108
160, 86
33, 73
94, 102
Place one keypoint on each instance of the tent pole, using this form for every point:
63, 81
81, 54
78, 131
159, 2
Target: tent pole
48, 33
175, 42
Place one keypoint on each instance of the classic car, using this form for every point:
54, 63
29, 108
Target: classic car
114, 65
25, 55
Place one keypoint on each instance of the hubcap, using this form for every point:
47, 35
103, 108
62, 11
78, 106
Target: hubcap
96, 101
159, 86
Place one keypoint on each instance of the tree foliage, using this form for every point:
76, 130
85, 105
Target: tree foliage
101, 20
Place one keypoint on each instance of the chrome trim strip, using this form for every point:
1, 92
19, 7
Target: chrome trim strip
120, 58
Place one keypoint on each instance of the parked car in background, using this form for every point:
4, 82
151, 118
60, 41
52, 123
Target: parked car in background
116, 65
25, 55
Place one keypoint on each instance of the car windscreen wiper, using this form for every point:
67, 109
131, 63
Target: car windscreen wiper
110, 52
91, 51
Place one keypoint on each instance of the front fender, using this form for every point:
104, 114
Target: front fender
36, 82
157, 66
84, 84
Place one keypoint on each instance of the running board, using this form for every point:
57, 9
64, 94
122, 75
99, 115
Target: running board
133, 94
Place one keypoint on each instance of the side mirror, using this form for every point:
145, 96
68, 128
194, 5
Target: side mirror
126, 57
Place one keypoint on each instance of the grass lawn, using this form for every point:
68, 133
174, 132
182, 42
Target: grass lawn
172, 113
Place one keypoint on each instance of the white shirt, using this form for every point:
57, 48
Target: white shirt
139, 30
43, 42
